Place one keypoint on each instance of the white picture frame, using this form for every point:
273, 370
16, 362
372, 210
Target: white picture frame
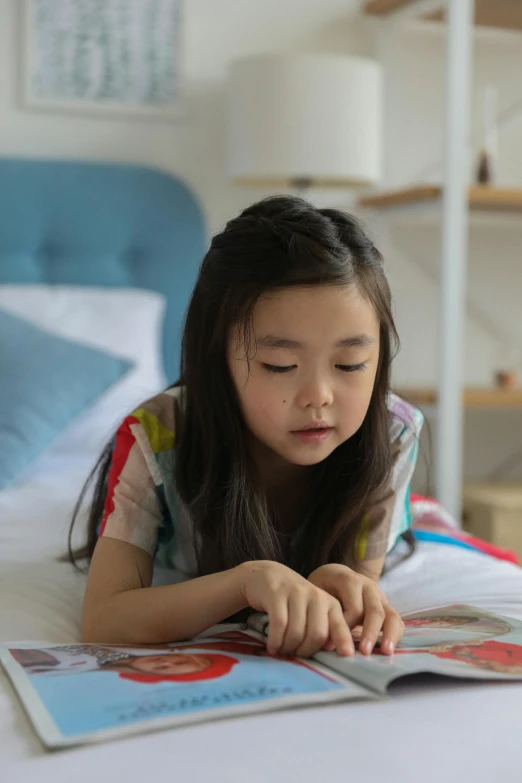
62, 57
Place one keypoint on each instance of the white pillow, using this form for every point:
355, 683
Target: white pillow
125, 322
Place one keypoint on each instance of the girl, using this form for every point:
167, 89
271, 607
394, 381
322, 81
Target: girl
274, 476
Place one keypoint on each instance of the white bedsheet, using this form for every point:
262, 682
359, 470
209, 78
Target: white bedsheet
457, 731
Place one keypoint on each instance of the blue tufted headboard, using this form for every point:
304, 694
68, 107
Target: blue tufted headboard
103, 225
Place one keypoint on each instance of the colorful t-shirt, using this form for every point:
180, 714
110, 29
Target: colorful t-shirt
143, 506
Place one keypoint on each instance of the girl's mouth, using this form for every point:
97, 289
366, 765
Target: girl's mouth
312, 436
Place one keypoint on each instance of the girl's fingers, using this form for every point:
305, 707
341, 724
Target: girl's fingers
278, 620
392, 631
374, 616
317, 629
340, 635
329, 646
352, 603
296, 625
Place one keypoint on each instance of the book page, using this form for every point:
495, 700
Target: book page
455, 641
85, 692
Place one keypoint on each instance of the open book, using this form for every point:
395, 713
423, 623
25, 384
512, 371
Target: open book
80, 693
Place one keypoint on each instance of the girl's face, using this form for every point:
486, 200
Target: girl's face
313, 362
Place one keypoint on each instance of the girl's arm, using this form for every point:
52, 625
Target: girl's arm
385, 522
121, 607
371, 568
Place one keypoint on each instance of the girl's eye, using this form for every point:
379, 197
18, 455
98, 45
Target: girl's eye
276, 368
351, 367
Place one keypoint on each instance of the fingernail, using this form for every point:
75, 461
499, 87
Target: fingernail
366, 646
390, 647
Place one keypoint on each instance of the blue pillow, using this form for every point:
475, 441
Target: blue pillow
45, 382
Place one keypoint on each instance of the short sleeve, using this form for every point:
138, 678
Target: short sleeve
385, 522
132, 510
405, 429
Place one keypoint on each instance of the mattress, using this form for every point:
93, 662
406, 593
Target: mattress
429, 729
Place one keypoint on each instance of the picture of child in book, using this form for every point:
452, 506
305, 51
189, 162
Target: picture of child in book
179, 666
437, 622
500, 657
471, 623
435, 630
172, 667
185, 663
417, 625
429, 630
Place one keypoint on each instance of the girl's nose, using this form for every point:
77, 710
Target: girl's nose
316, 394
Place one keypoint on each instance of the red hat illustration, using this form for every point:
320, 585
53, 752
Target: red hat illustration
219, 666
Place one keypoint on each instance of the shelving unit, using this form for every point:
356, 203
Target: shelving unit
492, 398
457, 202
480, 197
502, 14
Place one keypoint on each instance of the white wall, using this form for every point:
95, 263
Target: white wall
216, 31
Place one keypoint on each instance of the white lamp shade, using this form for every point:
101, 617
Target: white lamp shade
314, 119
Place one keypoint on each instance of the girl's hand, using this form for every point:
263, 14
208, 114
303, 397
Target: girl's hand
302, 616
363, 604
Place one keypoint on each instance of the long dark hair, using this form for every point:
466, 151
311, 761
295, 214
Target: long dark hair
280, 242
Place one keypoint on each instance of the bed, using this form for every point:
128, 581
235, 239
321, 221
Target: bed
119, 227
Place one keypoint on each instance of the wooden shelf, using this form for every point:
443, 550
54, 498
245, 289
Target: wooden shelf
472, 397
480, 197
385, 7
503, 14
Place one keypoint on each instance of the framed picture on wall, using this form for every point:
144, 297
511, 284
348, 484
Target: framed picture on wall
119, 56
